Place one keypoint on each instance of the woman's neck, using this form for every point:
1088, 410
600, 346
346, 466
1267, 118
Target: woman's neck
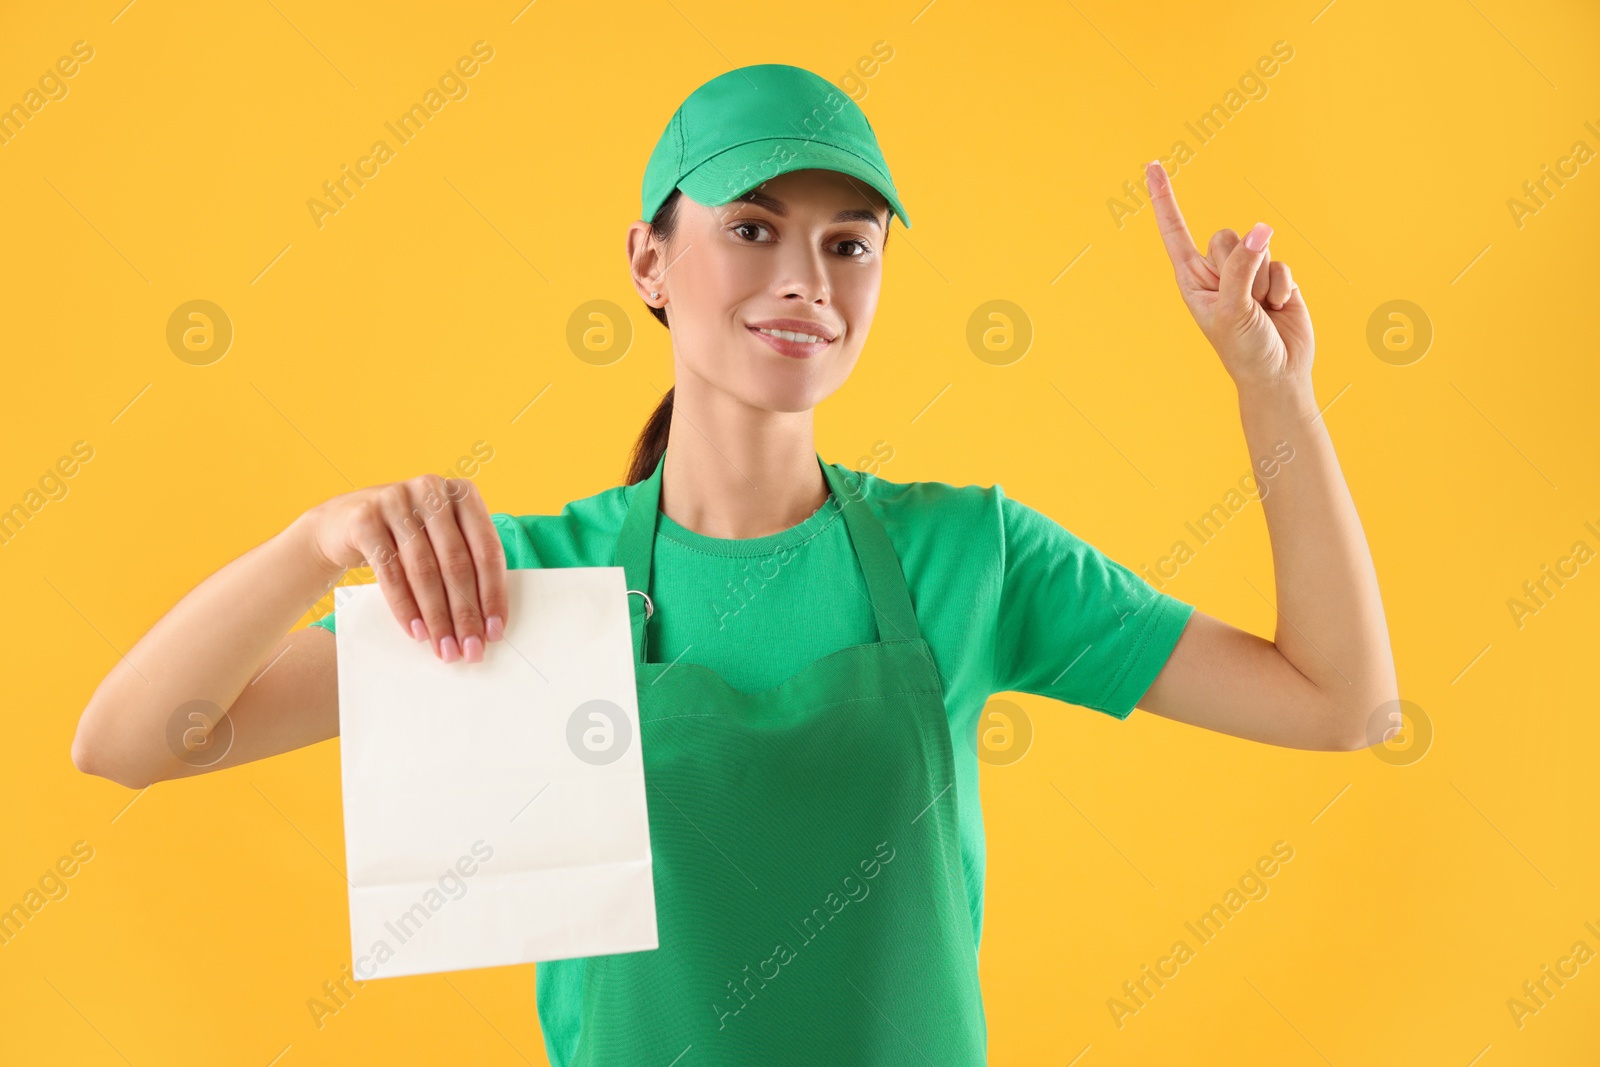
734, 471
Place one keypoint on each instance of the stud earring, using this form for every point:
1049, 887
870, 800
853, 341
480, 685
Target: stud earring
654, 295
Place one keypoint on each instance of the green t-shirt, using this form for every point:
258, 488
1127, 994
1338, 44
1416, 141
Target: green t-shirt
1007, 598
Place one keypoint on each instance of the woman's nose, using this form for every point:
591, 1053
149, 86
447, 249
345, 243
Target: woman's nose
805, 277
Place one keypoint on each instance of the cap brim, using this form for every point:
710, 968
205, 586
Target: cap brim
730, 174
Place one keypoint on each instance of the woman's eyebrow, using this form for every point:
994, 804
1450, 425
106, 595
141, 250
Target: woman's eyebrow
777, 207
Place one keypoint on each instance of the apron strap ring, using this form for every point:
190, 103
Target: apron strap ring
649, 606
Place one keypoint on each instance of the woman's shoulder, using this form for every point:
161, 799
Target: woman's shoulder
931, 519
924, 500
582, 534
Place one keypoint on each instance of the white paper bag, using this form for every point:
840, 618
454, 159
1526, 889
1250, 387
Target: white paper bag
495, 812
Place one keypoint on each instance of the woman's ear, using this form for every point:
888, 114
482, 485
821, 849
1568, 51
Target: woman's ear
645, 262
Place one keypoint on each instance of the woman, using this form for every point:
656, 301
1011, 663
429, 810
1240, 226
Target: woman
812, 648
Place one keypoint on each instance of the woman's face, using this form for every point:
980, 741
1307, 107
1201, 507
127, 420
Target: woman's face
806, 246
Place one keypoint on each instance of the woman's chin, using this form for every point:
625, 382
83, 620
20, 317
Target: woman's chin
790, 399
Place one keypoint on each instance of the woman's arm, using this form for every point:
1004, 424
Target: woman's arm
1328, 673
216, 682
158, 713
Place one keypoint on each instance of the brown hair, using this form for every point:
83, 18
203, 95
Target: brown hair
652, 440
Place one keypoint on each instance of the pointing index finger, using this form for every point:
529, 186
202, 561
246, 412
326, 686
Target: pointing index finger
1169, 220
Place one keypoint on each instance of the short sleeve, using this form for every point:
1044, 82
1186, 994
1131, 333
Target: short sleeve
512, 538
1075, 625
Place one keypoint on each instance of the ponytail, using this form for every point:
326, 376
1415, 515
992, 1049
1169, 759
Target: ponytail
652, 440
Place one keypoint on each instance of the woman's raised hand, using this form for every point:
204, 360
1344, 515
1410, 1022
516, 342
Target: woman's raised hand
1246, 304
436, 554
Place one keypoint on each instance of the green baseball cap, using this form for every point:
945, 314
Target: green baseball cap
754, 123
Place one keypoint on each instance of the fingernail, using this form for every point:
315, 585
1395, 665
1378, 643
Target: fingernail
496, 628
1256, 239
472, 649
418, 630
448, 650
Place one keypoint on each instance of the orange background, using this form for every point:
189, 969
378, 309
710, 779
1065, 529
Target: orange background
432, 309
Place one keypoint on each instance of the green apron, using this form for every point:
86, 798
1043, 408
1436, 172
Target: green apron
810, 902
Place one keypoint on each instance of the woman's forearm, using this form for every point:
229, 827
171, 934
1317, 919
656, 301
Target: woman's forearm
206, 648
1330, 621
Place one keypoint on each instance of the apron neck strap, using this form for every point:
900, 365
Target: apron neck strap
886, 583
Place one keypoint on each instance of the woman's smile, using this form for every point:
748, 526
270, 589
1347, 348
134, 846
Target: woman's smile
794, 338
792, 343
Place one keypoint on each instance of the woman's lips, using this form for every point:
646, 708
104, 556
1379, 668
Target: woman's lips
792, 349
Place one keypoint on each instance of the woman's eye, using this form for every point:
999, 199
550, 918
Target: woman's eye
749, 230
